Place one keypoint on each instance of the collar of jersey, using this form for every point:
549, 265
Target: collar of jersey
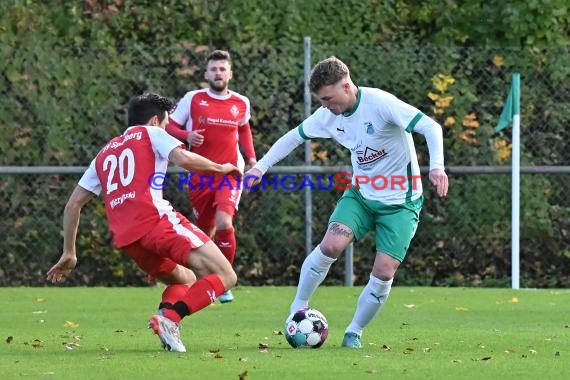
219, 97
353, 110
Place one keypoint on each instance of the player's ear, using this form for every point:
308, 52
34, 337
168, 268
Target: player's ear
153, 121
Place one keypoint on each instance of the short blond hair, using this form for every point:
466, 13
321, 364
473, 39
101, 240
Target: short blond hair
327, 72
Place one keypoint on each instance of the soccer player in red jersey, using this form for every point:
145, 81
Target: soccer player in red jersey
129, 173
213, 122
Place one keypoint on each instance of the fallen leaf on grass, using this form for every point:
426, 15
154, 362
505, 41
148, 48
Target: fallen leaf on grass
214, 350
40, 299
459, 361
461, 308
557, 353
510, 350
218, 356
9, 339
427, 349
71, 346
410, 306
275, 332
514, 300
243, 359
485, 358
120, 331
39, 312
263, 346
386, 348
408, 350
372, 371
243, 375
36, 343
70, 325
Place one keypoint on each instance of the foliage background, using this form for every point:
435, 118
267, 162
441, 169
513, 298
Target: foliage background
68, 68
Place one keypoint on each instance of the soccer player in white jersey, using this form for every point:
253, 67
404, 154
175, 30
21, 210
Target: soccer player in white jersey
386, 193
128, 174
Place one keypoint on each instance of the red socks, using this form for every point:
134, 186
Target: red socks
171, 295
201, 294
226, 241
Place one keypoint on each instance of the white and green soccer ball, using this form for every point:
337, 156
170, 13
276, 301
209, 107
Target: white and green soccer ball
306, 328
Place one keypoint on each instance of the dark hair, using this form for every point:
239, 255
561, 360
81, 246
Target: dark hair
219, 55
143, 107
327, 72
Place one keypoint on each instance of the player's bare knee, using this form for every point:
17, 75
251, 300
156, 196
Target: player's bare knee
220, 226
332, 248
385, 267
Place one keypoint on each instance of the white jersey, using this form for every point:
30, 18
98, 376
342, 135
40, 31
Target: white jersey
378, 134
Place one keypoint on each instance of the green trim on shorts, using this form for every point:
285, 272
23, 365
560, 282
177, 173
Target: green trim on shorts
394, 225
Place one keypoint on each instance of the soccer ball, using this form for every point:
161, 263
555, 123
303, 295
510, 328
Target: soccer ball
306, 328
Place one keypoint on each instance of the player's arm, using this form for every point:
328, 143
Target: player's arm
194, 162
278, 151
179, 117
71, 215
434, 139
246, 142
176, 130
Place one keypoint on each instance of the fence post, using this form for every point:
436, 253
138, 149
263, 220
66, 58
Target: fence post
308, 193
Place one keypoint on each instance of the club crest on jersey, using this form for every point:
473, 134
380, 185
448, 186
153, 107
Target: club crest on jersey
202, 120
370, 156
369, 128
234, 111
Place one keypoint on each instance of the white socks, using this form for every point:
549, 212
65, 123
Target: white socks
313, 272
370, 302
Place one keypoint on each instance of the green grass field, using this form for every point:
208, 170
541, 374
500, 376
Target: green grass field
422, 333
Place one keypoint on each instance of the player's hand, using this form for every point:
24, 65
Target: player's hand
230, 169
438, 178
251, 163
252, 177
195, 138
63, 268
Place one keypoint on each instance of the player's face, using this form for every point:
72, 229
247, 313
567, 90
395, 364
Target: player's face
336, 97
218, 75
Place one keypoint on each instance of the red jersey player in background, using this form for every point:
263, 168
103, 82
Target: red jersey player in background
129, 172
213, 122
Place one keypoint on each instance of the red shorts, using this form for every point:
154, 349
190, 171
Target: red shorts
209, 193
166, 245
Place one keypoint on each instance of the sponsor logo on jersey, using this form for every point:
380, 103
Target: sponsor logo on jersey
204, 103
370, 155
369, 128
119, 200
222, 122
202, 120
